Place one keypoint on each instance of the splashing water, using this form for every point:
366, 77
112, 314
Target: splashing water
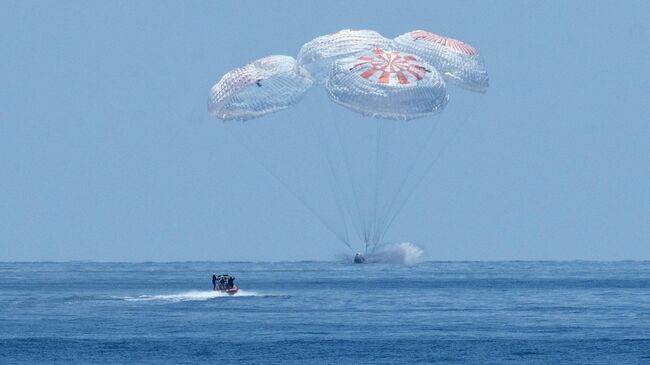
404, 253
195, 295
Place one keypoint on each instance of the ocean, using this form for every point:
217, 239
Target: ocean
515, 312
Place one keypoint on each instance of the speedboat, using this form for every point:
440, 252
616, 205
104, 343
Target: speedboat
230, 291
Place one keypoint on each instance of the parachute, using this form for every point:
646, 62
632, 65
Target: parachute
353, 173
387, 84
239, 94
318, 54
457, 61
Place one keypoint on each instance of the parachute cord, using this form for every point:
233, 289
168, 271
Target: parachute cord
377, 151
320, 133
379, 173
355, 225
342, 238
395, 144
454, 133
395, 198
352, 185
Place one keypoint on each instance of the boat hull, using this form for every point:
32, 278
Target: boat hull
230, 291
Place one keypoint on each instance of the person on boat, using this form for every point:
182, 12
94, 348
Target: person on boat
231, 282
222, 281
214, 281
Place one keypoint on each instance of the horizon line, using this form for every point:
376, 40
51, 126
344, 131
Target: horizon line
308, 261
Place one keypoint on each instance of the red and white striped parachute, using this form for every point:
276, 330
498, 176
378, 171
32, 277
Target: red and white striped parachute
387, 84
457, 61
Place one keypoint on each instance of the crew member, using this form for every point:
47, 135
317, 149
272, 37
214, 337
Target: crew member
231, 281
222, 281
214, 281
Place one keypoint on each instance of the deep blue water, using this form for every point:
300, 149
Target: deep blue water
325, 312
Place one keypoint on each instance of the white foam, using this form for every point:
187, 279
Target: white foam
405, 253
190, 296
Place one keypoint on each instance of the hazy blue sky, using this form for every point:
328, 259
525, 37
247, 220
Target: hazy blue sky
107, 151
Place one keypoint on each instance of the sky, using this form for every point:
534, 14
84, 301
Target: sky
107, 152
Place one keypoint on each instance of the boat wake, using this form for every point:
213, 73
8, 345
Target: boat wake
191, 296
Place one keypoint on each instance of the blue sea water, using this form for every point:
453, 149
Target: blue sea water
326, 313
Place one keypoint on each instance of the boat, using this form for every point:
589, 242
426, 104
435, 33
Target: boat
230, 291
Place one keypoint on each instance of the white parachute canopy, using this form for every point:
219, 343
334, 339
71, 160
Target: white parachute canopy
318, 54
387, 84
457, 61
263, 86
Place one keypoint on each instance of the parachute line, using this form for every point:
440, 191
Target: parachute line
332, 175
394, 199
377, 177
447, 141
346, 161
342, 237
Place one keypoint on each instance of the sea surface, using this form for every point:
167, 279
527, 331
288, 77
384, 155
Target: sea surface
326, 313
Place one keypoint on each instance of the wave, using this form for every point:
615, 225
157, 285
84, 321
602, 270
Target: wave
191, 296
